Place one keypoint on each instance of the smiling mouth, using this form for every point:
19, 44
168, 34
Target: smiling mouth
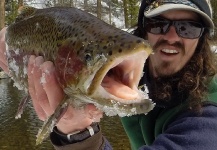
169, 51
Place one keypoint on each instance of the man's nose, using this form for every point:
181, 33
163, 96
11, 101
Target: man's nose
171, 36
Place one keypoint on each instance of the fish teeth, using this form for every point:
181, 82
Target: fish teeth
170, 51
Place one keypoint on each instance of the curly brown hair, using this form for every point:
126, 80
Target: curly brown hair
189, 83
198, 73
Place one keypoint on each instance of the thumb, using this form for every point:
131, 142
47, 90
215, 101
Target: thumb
93, 112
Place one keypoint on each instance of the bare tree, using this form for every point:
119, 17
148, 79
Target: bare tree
99, 9
20, 3
2, 14
72, 3
86, 5
125, 5
110, 13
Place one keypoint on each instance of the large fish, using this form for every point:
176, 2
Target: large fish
96, 62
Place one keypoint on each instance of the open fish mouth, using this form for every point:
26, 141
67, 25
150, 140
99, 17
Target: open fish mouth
112, 86
119, 79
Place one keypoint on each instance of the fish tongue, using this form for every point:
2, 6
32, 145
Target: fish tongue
118, 89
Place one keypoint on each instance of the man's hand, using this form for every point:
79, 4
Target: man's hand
46, 94
3, 60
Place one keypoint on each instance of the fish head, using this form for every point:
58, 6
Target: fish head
106, 69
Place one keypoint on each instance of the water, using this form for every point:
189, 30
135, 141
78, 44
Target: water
21, 134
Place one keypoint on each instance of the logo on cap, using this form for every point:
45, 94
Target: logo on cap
157, 3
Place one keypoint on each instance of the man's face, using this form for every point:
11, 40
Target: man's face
171, 52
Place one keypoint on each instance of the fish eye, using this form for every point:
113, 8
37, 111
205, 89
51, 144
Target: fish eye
87, 57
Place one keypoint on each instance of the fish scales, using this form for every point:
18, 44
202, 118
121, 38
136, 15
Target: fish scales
95, 62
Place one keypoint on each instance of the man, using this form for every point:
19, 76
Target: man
180, 75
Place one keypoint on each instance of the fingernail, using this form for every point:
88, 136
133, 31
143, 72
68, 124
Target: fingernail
48, 67
32, 59
38, 61
31, 63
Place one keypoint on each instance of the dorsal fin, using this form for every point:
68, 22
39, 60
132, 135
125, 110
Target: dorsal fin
25, 12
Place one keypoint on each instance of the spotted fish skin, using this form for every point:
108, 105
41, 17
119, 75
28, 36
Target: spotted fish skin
87, 53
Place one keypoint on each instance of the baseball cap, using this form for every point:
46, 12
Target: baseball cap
152, 8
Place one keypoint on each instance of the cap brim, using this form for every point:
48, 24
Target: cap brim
168, 7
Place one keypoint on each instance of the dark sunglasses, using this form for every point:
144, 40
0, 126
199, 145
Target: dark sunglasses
184, 28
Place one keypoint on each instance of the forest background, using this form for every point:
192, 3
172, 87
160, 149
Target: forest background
119, 13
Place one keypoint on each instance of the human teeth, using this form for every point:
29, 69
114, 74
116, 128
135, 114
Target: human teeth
169, 51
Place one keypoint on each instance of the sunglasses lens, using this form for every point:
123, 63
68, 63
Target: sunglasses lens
188, 29
184, 29
156, 26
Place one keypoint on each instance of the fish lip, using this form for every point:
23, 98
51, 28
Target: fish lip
130, 79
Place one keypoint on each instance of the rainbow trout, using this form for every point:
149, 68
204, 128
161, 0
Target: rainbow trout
95, 62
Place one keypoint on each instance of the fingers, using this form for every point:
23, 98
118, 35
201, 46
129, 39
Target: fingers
46, 95
73, 120
76, 119
50, 84
41, 94
3, 60
2, 39
44, 89
32, 91
93, 113
2, 52
4, 66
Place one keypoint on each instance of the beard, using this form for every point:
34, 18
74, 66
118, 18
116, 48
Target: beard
170, 89
165, 68
165, 90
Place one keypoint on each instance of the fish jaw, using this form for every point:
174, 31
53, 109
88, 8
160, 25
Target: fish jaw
113, 88
118, 93
118, 79
111, 83
121, 75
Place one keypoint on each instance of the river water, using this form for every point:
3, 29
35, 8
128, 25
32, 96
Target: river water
20, 134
